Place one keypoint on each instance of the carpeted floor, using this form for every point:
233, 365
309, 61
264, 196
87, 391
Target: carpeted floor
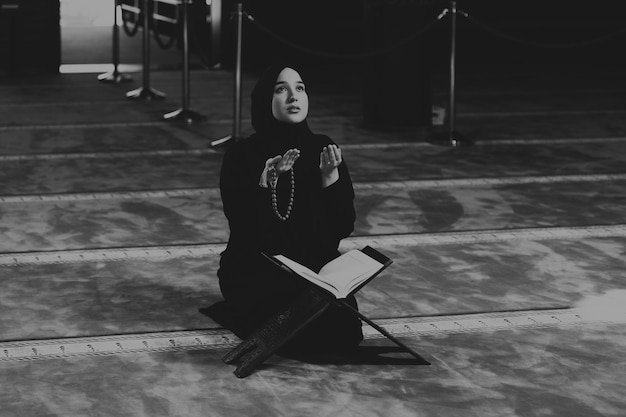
509, 255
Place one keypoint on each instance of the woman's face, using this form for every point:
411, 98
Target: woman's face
290, 103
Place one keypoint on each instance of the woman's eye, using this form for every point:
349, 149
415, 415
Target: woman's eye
280, 90
300, 88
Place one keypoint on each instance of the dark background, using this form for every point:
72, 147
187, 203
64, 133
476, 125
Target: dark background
379, 41
30, 35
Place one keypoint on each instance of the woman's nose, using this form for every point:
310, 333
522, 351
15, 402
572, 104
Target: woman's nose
291, 97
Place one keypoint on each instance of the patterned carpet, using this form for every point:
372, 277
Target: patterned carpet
509, 255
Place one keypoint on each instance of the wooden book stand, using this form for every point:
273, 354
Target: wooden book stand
279, 330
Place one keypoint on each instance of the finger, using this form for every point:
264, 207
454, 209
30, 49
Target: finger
288, 160
274, 161
337, 154
292, 152
326, 156
323, 158
332, 155
292, 158
329, 154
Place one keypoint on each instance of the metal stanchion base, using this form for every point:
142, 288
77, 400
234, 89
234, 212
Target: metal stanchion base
184, 115
145, 94
114, 77
453, 139
225, 140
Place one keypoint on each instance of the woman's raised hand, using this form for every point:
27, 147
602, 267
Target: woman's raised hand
285, 163
330, 159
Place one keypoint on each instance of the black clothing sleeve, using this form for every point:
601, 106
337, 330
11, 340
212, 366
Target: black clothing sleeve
242, 198
235, 189
338, 203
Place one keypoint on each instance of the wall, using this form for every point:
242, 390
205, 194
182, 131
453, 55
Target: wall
30, 41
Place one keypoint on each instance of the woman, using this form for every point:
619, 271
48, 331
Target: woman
285, 190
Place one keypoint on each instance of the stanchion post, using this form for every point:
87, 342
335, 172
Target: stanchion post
452, 137
237, 107
115, 76
216, 34
145, 92
184, 114
236, 133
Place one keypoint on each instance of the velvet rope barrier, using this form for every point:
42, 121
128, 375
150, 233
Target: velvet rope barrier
571, 45
127, 11
173, 22
240, 13
449, 138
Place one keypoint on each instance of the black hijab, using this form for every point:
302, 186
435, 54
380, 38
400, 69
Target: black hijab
263, 121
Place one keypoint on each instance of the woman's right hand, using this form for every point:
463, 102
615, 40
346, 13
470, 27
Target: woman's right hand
285, 163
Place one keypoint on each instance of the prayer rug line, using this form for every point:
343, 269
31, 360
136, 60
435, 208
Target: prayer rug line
212, 339
356, 242
379, 185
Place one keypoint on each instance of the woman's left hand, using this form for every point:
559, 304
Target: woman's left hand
330, 159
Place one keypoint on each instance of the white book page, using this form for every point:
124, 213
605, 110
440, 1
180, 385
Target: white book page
347, 271
352, 259
341, 275
307, 273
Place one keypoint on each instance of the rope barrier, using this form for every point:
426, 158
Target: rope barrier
369, 54
163, 44
152, 17
594, 41
175, 22
135, 10
412, 37
127, 12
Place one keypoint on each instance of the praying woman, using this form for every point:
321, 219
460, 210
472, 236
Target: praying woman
285, 190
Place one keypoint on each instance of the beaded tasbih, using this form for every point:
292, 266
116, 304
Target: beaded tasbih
273, 184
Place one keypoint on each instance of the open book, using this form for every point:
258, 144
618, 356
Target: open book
345, 274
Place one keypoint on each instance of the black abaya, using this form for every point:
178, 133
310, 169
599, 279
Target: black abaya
254, 289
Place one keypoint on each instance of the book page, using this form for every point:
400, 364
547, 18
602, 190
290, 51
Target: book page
341, 275
307, 273
349, 270
352, 259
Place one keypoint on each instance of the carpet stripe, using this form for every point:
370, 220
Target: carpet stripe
29, 350
356, 242
380, 185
